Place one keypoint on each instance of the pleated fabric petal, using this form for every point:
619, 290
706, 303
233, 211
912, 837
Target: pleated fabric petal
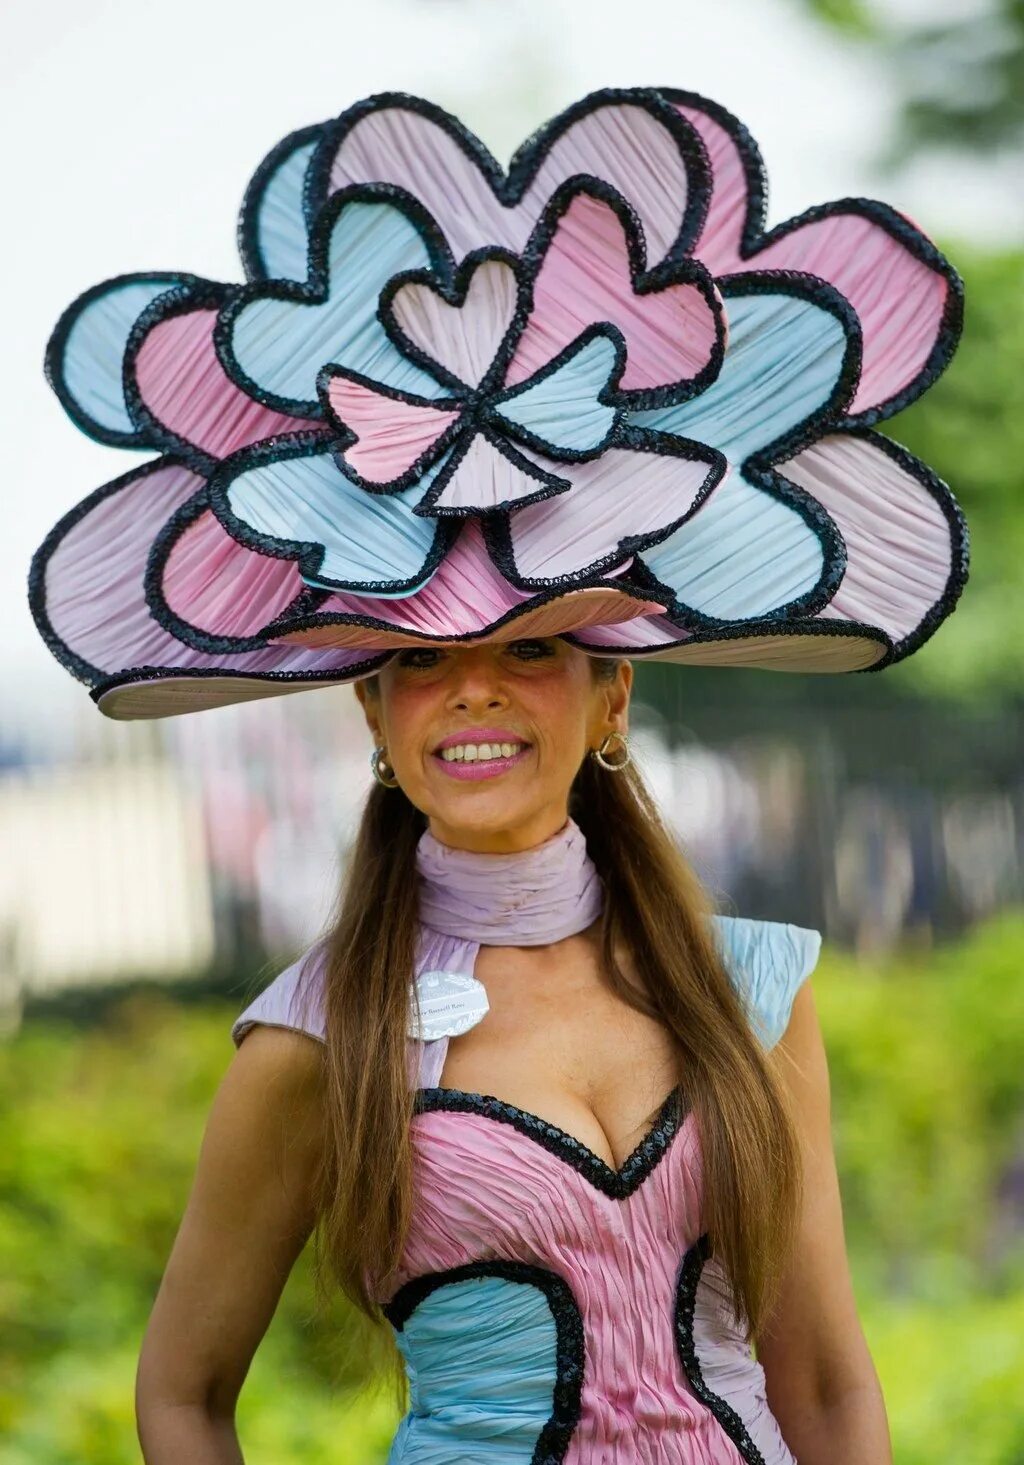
467, 597
273, 234
616, 501
630, 144
278, 343
906, 295
85, 354
184, 387
87, 587
355, 539
391, 433
905, 539
463, 337
586, 275
748, 552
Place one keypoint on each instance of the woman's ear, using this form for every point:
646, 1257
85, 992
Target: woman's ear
619, 691
371, 711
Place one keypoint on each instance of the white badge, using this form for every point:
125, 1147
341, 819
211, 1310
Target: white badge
449, 1003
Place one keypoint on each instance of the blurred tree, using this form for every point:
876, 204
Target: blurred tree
962, 79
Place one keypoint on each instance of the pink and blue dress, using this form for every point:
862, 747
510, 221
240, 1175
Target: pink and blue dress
548, 1306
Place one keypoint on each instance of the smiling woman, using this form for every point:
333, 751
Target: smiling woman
470, 439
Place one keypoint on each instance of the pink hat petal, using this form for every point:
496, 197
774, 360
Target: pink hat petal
223, 588
905, 540
182, 384
635, 144
585, 275
904, 291
619, 502
466, 598
87, 594
737, 181
905, 305
392, 433
464, 338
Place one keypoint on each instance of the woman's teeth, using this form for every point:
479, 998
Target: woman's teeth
479, 752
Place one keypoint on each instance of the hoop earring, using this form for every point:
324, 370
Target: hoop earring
377, 757
600, 753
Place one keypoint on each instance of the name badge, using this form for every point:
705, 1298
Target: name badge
449, 1003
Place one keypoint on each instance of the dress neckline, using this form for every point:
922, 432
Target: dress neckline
618, 1183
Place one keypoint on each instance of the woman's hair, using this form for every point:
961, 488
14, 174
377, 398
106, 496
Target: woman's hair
656, 909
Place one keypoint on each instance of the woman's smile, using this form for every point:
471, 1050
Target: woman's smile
481, 752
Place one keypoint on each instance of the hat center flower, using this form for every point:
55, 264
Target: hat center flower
483, 444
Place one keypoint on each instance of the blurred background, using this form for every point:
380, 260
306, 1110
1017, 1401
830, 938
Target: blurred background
155, 875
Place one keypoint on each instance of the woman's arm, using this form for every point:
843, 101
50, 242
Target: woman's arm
248, 1217
820, 1379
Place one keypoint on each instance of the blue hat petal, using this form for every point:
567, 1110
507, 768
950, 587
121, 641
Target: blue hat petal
758, 546
289, 497
85, 353
562, 408
273, 236
274, 338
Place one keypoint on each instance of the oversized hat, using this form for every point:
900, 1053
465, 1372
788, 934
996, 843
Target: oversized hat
590, 396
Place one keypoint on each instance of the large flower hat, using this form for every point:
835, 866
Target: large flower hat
590, 396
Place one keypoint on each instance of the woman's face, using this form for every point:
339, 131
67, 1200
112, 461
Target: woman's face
537, 697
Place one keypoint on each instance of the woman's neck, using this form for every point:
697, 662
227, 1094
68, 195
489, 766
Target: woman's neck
529, 897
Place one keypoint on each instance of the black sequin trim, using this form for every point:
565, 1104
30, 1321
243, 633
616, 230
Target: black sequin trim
615, 1183
554, 1438
686, 1299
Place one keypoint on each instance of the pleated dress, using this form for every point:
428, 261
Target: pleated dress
548, 1307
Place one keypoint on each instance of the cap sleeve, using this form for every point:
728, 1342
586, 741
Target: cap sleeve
767, 962
294, 999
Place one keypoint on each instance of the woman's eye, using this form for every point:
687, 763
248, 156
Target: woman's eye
410, 658
533, 650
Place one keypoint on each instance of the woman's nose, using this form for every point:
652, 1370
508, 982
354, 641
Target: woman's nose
476, 680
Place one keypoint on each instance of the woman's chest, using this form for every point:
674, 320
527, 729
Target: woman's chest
570, 1050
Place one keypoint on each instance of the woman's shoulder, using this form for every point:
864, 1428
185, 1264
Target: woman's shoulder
294, 999
768, 961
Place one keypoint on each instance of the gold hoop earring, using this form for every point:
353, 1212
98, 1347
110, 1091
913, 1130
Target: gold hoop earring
600, 753
377, 757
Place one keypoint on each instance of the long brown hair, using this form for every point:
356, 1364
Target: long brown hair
657, 910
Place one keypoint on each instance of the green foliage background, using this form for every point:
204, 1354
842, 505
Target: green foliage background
102, 1125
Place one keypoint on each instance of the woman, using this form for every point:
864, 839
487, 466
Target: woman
471, 440
585, 1034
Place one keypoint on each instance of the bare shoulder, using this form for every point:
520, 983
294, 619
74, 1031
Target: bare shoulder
270, 1103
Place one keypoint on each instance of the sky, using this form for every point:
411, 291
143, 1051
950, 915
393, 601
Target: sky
135, 130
